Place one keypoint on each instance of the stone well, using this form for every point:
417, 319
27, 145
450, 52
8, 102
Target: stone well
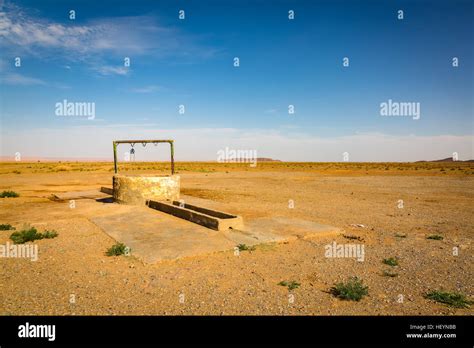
137, 189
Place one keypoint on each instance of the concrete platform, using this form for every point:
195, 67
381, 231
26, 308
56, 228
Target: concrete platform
154, 235
90, 194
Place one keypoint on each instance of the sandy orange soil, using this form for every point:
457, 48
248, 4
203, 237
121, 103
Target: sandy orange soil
438, 199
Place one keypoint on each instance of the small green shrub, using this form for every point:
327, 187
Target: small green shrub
391, 261
451, 299
50, 234
9, 194
24, 236
6, 227
291, 285
435, 237
390, 274
117, 250
244, 247
31, 234
352, 290
352, 237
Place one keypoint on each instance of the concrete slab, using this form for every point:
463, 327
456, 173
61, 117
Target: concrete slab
283, 229
90, 194
154, 235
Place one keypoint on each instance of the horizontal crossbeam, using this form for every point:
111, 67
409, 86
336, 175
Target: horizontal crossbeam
116, 142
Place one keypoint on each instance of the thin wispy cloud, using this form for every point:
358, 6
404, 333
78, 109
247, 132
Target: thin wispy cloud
112, 70
19, 30
119, 36
18, 79
146, 89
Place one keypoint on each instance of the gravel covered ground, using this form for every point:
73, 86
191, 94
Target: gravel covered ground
73, 276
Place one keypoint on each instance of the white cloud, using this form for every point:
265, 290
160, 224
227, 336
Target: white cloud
271, 111
112, 70
146, 89
18, 79
122, 36
15, 79
19, 29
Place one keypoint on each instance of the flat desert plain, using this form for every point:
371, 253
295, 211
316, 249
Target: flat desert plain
389, 208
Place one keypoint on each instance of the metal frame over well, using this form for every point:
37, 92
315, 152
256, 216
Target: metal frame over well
143, 142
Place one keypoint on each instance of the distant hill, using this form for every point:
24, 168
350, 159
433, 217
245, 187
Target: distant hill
54, 159
258, 159
264, 159
448, 159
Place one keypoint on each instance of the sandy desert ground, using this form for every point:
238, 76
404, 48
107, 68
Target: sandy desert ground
438, 199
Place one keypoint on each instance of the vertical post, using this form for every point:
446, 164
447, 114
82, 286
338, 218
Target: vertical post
115, 157
172, 157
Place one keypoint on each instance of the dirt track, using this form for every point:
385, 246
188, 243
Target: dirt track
74, 263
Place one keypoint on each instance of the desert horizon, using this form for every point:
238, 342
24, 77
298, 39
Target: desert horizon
8, 159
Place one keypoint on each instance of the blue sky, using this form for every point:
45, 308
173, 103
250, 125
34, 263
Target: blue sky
190, 62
